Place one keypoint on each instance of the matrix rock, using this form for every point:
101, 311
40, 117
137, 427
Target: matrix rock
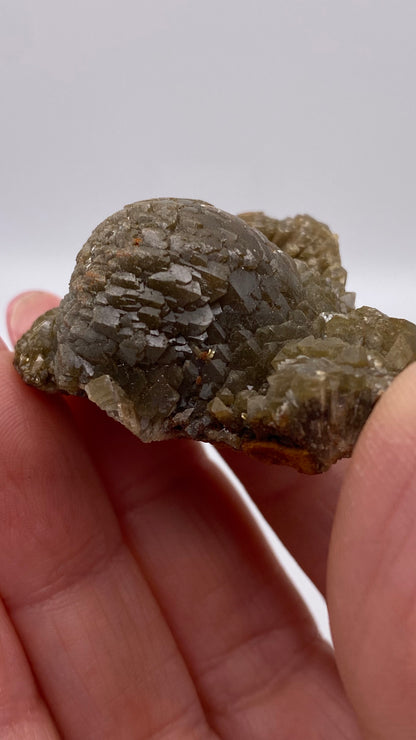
182, 320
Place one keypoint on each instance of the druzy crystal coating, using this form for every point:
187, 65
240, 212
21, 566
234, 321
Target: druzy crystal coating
182, 320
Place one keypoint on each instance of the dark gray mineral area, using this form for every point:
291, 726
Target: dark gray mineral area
182, 320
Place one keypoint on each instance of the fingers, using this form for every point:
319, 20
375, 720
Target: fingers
25, 308
247, 638
372, 585
300, 508
96, 640
23, 713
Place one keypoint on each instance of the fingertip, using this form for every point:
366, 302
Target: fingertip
383, 466
25, 308
386, 450
371, 565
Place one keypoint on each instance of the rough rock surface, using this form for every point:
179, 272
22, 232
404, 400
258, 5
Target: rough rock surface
184, 321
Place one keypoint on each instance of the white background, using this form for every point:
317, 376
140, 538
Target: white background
287, 107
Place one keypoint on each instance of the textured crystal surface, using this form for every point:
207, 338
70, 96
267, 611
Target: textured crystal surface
182, 320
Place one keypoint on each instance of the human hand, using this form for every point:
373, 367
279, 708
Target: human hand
140, 599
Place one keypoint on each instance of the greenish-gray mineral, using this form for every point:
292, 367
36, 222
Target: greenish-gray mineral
182, 320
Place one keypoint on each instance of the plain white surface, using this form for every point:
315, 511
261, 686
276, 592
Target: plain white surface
287, 107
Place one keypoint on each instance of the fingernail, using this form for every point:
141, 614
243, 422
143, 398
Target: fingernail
3, 345
25, 308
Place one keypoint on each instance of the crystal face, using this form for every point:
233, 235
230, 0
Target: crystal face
182, 320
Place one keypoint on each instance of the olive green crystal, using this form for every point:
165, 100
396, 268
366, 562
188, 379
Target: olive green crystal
182, 320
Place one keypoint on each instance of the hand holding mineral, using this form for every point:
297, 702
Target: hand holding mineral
138, 584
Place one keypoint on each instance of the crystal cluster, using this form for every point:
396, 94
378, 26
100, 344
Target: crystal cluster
182, 320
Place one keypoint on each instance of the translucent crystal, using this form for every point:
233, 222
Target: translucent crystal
184, 321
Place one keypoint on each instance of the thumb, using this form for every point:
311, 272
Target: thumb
372, 569
25, 308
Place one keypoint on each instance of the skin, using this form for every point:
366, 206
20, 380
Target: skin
140, 600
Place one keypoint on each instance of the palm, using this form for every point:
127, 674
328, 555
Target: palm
141, 601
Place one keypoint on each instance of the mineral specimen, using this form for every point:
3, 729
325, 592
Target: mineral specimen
184, 321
